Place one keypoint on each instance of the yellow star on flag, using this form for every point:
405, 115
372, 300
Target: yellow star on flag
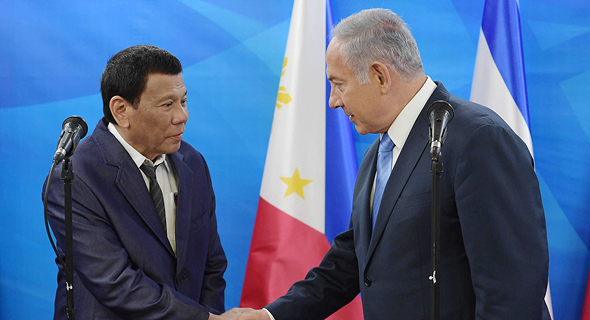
295, 184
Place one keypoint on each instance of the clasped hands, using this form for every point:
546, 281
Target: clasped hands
241, 314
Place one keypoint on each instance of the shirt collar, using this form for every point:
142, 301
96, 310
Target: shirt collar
402, 125
136, 156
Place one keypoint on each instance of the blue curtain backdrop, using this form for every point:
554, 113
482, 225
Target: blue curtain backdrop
52, 54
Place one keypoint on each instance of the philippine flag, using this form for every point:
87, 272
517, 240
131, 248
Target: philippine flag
301, 206
499, 77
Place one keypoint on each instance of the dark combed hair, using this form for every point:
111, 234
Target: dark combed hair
127, 72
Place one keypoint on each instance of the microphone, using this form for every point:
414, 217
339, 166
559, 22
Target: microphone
440, 114
74, 128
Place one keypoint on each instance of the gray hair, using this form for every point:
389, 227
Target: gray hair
378, 35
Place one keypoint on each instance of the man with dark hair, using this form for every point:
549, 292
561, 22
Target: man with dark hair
493, 247
145, 232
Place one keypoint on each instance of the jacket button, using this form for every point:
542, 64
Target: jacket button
367, 282
180, 279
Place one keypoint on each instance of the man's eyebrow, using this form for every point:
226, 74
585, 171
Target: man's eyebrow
171, 96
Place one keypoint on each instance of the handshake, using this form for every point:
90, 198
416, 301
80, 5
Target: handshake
242, 314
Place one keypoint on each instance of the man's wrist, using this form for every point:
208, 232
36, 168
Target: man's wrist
269, 314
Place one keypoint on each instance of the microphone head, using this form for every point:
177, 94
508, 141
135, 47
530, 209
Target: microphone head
74, 128
440, 113
439, 107
76, 121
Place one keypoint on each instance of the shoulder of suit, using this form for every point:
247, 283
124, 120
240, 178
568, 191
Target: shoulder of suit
471, 114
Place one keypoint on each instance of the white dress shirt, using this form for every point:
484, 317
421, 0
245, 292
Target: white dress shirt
166, 177
403, 124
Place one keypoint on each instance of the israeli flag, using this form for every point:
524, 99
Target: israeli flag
499, 77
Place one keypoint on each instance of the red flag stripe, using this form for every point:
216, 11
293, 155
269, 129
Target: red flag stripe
283, 249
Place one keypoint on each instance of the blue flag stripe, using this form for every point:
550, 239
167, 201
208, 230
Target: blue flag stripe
341, 163
501, 27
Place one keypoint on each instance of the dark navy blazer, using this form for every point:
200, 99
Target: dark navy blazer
124, 265
494, 255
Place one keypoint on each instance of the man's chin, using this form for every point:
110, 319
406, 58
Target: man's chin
173, 148
361, 130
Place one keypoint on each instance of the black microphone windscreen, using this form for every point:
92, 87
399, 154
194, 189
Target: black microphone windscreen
442, 105
77, 120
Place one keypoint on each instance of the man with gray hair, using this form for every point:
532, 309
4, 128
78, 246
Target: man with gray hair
493, 256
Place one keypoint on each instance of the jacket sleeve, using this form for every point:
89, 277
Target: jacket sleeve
503, 224
326, 288
102, 263
212, 293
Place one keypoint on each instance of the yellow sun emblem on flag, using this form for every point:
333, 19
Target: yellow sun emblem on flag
295, 184
283, 97
284, 66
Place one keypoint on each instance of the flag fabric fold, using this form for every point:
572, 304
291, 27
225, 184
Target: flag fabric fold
341, 165
499, 76
296, 219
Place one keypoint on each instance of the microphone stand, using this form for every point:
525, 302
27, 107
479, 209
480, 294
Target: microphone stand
436, 169
440, 113
67, 175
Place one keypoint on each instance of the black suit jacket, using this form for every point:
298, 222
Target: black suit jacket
494, 255
124, 265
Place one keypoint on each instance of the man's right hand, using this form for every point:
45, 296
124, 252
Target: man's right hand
232, 314
254, 315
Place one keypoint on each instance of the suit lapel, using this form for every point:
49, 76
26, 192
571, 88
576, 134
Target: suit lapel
404, 166
413, 149
132, 185
365, 179
130, 181
184, 207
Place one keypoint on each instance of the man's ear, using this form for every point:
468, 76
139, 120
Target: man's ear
119, 108
379, 72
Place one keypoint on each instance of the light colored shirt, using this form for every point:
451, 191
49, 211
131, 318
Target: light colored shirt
269, 314
403, 124
167, 180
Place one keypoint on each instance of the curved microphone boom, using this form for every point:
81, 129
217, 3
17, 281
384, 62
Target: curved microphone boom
440, 114
74, 129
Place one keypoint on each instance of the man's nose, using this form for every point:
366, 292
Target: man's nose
334, 102
181, 114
